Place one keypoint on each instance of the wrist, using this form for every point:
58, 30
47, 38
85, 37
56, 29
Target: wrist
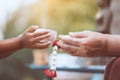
108, 46
105, 45
113, 45
20, 41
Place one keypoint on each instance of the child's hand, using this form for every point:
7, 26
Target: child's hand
86, 44
31, 39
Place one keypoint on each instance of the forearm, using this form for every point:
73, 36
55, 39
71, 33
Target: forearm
114, 45
29, 39
9, 46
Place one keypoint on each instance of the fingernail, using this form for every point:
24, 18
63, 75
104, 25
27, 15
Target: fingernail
70, 33
36, 27
49, 34
50, 42
60, 36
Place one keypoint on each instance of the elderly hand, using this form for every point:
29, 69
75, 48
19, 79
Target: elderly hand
85, 44
31, 39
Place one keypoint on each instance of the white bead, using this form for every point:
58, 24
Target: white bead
53, 58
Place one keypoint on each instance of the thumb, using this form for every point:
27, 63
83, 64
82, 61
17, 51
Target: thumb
32, 29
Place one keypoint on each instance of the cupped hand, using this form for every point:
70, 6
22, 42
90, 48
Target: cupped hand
85, 44
31, 39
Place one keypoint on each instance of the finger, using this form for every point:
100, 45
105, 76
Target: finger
32, 29
39, 38
82, 34
77, 35
36, 34
82, 52
70, 40
68, 47
68, 52
42, 45
77, 53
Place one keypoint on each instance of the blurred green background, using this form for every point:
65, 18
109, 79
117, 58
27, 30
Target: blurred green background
62, 15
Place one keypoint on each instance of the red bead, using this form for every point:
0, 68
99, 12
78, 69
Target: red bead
55, 43
50, 74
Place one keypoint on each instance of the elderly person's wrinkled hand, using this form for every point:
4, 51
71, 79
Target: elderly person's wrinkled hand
85, 44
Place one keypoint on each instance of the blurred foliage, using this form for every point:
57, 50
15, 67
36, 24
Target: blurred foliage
72, 15
63, 16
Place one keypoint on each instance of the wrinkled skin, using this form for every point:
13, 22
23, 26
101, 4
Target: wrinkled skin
85, 44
